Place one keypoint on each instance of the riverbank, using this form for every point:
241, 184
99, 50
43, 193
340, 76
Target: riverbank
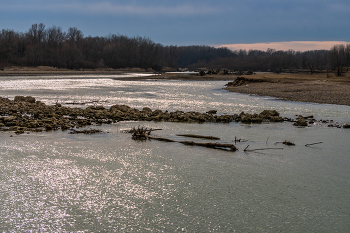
53, 71
316, 88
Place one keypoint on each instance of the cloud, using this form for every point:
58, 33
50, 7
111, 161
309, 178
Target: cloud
293, 45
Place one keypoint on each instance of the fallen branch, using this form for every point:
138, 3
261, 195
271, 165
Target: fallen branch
211, 145
262, 149
240, 140
198, 136
313, 143
140, 133
288, 143
161, 139
138, 129
86, 131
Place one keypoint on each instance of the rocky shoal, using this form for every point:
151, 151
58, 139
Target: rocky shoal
27, 114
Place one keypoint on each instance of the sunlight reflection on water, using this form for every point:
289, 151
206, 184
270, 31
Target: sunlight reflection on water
60, 182
165, 95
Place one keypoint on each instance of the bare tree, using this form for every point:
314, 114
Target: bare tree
338, 58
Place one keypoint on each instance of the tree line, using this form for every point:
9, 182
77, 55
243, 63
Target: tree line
337, 60
41, 46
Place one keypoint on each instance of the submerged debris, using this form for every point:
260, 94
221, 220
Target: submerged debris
143, 133
85, 131
313, 143
140, 133
288, 143
161, 139
239, 140
211, 145
198, 136
246, 149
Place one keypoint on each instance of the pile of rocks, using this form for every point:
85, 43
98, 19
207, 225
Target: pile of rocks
25, 113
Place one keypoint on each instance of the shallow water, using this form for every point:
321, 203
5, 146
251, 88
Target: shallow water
56, 181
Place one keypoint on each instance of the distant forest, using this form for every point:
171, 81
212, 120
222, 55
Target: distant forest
41, 46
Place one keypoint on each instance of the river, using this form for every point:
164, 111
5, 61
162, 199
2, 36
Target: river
60, 182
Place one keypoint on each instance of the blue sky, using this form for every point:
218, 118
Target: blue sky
192, 22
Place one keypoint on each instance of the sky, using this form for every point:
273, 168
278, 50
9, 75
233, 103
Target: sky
237, 24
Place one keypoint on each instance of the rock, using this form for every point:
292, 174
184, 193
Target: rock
247, 118
147, 110
276, 119
9, 119
269, 113
28, 113
122, 108
19, 131
300, 122
257, 120
28, 99
212, 111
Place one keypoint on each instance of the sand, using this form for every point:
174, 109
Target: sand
316, 88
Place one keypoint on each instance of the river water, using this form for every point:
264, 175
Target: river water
61, 182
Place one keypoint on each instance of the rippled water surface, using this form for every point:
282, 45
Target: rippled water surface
56, 181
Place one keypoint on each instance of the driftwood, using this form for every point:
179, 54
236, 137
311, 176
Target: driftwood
288, 143
313, 143
262, 149
86, 131
211, 145
198, 136
142, 133
161, 139
239, 140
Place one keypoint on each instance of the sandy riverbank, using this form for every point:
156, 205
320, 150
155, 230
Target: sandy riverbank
316, 88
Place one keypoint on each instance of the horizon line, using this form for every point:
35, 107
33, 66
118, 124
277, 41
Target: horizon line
301, 46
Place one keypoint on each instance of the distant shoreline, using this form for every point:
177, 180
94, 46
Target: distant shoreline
52, 71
